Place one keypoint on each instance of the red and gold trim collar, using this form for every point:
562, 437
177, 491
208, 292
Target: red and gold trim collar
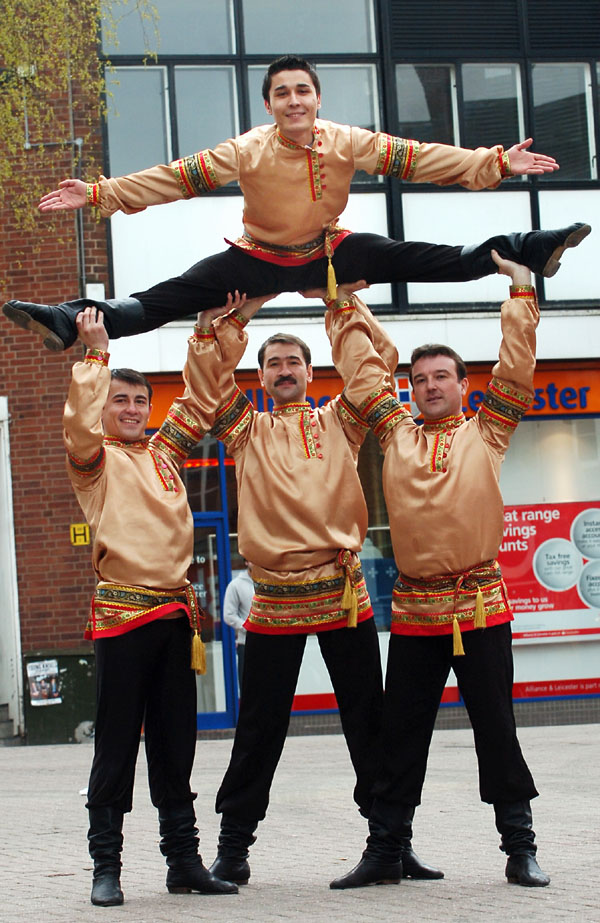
120, 444
298, 407
444, 424
292, 145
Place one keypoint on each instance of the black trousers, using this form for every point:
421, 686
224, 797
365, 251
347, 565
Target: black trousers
417, 670
272, 665
359, 256
144, 678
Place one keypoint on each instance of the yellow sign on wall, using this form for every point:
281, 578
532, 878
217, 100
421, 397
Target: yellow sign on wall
80, 533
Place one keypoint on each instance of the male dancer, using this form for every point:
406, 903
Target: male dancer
302, 522
450, 607
132, 495
295, 176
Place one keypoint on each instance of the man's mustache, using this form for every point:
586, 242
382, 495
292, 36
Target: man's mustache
286, 379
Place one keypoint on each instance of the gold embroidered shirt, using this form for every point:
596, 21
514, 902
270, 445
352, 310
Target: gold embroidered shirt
132, 496
293, 193
440, 479
299, 496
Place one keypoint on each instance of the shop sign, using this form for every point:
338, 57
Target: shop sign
550, 558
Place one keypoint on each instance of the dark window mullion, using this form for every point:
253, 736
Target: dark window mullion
171, 96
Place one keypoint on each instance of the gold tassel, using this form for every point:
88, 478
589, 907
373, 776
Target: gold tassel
347, 597
480, 621
457, 646
353, 611
350, 602
331, 282
198, 654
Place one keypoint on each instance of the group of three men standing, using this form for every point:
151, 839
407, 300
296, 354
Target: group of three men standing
302, 514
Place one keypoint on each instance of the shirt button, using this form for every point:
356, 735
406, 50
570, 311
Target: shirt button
318, 445
323, 186
320, 455
313, 422
319, 143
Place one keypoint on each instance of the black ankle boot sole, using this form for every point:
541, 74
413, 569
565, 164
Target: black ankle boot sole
24, 320
573, 240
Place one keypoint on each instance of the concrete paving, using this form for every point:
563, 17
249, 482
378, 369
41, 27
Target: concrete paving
312, 834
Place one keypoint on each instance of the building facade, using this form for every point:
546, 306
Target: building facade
437, 72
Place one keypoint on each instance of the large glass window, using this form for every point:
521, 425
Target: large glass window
492, 105
348, 94
273, 27
181, 27
206, 106
426, 95
563, 118
138, 120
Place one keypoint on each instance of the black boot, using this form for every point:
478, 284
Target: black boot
514, 824
56, 323
179, 844
232, 863
380, 863
105, 839
539, 250
412, 866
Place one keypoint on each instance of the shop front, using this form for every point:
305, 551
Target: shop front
550, 553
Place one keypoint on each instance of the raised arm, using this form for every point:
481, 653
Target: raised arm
510, 390
215, 350
90, 383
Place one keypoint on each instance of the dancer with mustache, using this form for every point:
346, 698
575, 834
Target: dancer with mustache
301, 523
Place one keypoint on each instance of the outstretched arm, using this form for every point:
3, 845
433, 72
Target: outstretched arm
70, 195
525, 162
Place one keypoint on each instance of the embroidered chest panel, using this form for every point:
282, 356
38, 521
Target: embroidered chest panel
306, 424
439, 441
314, 163
163, 472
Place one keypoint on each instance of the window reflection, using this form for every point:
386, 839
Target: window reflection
344, 26
562, 118
492, 102
426, 102
137, 119
206, 104
182, 27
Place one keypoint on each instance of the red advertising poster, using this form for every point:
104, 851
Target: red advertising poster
550, 558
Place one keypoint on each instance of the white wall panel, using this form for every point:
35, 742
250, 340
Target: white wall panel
462, 218
578, 276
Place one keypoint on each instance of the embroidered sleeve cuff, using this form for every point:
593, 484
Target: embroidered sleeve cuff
522, 291
93, 194
203, 334
382, 411
238, 319
98, 356
504, 165
504, 405
340, 307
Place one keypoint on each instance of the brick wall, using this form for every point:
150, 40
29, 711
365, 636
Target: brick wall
55, 578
